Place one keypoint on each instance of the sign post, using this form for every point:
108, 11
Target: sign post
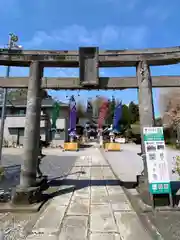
158, 172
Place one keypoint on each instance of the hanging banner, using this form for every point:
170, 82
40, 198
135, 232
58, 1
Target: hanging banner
112, 105
103, 112
157, 164
72, 116
55, 115
117, 117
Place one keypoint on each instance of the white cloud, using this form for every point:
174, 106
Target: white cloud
126, 36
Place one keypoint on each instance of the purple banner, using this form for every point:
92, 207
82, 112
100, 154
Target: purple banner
72, 116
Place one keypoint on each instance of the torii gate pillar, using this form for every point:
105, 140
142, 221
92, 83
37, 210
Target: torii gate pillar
146, 109
32, 134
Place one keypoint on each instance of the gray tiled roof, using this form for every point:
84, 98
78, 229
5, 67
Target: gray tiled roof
48, 102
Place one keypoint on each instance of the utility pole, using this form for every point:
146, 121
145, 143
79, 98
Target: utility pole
11, 43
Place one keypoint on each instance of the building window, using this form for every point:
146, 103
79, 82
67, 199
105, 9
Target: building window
22, 111
12, 111
17, 111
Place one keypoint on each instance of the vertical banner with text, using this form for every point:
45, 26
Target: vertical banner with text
72, 116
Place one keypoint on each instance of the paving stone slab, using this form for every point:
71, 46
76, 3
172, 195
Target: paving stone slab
130, 227
96, 172
107, 173
105, 236
80, 164
86, 174
119, 202
121, 207
75, 169
62, 200
42, 237
96, 178
98, 190
115, 189
74, 228
79, 206
102, 219
75, 173
50, 220
82, 193
99, 195
84, 161
99, 162
99, 200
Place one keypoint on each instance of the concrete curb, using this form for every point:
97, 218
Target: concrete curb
138, 206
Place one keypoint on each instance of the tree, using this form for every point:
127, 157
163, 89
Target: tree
80, 110
170, 111
158, 122
110, 114
125, 119
17, 94
21, 94
97, 103
170, 108
133, 112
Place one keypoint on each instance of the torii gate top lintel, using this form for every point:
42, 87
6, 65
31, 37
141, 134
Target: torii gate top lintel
105, 58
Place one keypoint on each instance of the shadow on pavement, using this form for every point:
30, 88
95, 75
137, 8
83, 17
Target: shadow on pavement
73, 185
64, 176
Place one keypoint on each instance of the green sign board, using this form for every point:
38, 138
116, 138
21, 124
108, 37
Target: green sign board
160, 188
158, 172
153, 134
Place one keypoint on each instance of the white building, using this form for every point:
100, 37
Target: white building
15, 122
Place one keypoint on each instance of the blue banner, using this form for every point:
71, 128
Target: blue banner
72, 116
117, 117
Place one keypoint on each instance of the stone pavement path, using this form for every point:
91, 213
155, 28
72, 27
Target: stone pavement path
96, 209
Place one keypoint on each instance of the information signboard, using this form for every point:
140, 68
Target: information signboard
158, 173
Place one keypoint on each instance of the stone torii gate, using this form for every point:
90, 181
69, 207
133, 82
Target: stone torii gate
88, 59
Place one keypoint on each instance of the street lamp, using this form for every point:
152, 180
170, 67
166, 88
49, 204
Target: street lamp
13, 39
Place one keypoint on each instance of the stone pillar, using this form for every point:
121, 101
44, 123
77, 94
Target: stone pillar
146, 109
32, 126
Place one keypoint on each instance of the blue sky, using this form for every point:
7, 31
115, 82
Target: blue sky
109, 24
